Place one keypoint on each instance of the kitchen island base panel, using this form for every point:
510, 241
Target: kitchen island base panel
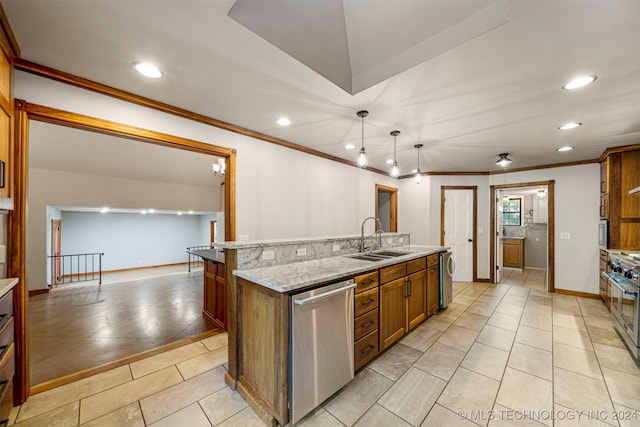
262, 333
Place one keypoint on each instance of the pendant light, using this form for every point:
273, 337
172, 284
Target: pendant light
362, 155
418, 175
503, 161
395, 170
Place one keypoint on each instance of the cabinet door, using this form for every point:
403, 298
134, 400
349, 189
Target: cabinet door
433, 289
540, 210
417, 299
511, 253
604, 206
392, 312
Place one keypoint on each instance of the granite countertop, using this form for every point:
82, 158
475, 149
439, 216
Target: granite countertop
278, 242
210, 254
6, 285
298, 275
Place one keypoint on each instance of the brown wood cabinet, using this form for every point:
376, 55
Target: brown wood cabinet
366, 314
7, 362
215, 294
403, 299
618, 174
513, 253
605, 287
433, 284
6, 112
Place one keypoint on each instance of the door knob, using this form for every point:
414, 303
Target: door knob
471, 240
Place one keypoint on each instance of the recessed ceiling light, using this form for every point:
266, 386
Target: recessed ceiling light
283, 121
579, 82
143, 212
565, 148
104, 210
349, 146
414, 171
147, 70
570, 125
179, 213
190, 212
151, 210
389, 161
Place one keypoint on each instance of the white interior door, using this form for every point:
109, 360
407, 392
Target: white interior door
499, 235
458, 231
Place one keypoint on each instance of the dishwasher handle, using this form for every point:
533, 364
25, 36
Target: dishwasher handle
323, 295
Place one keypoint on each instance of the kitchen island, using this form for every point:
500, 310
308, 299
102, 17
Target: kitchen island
392, 295
214, 305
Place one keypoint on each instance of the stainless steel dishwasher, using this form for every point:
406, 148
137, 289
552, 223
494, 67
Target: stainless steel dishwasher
447, 268
320, 345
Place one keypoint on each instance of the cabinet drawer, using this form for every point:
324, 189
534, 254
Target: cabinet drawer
604, 255
365, 301
388, 274
6, 402
7, 365
432, 260
366, 281
6, 335
603, 265
416, 265
365, 349
364, 324
6, 304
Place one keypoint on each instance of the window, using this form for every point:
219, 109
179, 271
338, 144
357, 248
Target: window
511, 212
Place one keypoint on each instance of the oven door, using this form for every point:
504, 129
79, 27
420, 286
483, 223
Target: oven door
624, 307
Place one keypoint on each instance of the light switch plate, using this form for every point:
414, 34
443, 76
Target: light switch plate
3, 254
565, 236
244, 237
301, 251
335, 248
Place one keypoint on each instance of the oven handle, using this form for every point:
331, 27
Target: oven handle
624, 289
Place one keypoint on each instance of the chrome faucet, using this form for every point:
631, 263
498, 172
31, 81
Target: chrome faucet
379, 232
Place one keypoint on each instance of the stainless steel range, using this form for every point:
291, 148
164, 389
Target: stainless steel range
625, 304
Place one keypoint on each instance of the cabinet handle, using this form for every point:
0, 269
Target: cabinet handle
432, 270
366, 325
366, 351
367, 282
366, 303
409, 287
2, 173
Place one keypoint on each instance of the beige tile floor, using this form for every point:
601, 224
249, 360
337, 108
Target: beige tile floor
499, 355
80, 326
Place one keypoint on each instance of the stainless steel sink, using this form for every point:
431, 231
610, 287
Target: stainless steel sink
377, 256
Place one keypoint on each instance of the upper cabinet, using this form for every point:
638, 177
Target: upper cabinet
618, 175
8, 51
540, 210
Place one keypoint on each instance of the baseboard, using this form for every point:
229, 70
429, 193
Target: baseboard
577, 293
38, 292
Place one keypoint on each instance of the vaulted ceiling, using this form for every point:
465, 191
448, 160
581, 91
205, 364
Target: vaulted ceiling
483, 92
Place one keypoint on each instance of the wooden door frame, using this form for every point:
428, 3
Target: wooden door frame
474, 246
17, 218
213, 224
393, 223
550, 227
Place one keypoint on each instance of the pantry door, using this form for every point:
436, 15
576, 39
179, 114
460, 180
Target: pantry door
458, 229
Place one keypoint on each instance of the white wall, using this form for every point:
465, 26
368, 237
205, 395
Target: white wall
280, 193
130, 240
420, 211
577, 202
576, 207
47, 187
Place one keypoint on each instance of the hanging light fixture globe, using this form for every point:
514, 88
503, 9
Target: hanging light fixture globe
418, 175
395, 170
362, 154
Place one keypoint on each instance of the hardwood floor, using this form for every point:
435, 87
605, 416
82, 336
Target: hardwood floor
80, 326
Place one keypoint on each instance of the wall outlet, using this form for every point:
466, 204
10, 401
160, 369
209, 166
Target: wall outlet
335, 248
244, 237
3, 254
480, 230
268, 255
565, 236
401, 239
301, 251
390, 241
